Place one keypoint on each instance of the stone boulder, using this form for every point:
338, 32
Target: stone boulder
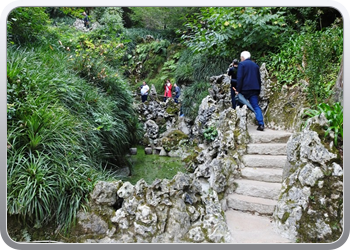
310, 207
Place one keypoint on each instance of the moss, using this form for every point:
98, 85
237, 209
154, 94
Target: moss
160, 121
191, 158
307, 223
221, 196
173, 139
145, 141
172, 108
283, 111
285, 217
18, 231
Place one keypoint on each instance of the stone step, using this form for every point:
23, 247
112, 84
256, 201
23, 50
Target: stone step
264, 161
250, 204
248, 228
262, 174
267, 148
268, 135
259, 189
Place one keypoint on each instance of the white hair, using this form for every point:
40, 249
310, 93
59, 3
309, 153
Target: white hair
245, 54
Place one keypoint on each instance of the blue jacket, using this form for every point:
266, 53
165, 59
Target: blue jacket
177, 91
248, 76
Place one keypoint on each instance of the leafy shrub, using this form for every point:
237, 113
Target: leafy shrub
210, 133
225, 31
334, 115
26, 24
313, 56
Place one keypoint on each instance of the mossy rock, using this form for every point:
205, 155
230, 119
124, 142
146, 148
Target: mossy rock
284, 108
172, 108
160, 121
172, 140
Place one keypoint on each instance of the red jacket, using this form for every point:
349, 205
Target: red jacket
167, 90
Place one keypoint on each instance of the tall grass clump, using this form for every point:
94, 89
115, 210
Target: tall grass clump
206, 66
184, 72
192, 98
64, 133
199, 67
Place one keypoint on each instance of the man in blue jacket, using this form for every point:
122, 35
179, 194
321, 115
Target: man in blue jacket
249, 85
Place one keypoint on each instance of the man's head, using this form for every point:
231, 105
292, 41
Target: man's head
84, 13
144, 83
245, 55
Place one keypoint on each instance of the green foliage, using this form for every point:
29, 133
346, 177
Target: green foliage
54, 148
72, 11
210, 133
286, 66
192, 98
169, 67
334, 115
110, 18
70, 118
321, 17
323, 52
195, 67
161, 17
226, 31
152, 55
155, 47
26, 24
91, 58
32, 187
184, 72
206, 66
313, 56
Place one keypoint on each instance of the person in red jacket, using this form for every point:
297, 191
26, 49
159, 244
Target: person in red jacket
167, 89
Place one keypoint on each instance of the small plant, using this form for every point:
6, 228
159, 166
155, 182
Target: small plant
334, 115
210, 133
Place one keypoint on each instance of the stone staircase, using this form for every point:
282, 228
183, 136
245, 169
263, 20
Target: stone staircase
259, 187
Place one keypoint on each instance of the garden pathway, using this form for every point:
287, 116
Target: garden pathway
252, 204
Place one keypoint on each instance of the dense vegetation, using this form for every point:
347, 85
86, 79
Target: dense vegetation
70, 114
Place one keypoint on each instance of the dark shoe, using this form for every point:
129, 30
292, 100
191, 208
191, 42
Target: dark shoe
260, 128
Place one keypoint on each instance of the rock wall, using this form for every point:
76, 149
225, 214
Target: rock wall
177, 210
310, 208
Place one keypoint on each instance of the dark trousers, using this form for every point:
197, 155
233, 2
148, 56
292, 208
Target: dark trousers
176, 98
144, 98
233, 100
253, 97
